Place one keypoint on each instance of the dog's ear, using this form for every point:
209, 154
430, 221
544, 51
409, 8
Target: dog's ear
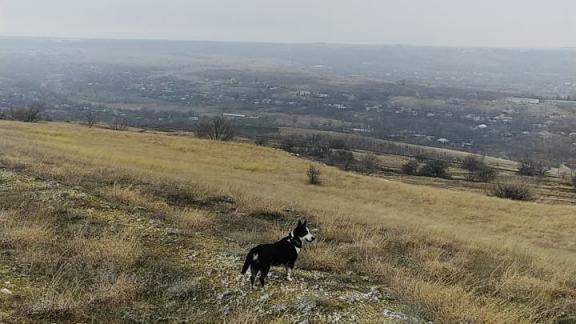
305, 222
299, 223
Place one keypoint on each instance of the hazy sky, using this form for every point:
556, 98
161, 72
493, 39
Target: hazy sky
497, 23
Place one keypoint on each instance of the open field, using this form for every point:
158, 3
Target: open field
554, 188
446, 256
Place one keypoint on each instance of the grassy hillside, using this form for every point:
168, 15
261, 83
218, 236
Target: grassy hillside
445, 255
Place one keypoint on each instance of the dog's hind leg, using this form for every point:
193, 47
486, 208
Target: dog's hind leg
254, 269
263, 274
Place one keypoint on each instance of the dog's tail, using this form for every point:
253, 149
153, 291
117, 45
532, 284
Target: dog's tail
247, 262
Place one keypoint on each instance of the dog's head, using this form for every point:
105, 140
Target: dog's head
301, 231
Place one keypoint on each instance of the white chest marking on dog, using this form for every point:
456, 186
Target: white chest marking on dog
255, 257
295, 247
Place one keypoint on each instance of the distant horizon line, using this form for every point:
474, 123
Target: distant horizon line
72, 38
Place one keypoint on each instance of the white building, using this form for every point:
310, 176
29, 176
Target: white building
518, 100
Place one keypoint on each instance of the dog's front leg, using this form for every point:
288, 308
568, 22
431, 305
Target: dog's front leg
288, 273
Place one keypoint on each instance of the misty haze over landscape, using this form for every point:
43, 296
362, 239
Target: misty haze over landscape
414, 162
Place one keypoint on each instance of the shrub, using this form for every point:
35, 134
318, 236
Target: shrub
261, 141
369, 163
411, 167
341, 158
288, 144
477, 169
483, 174
514, 191
337, 144
472, 163
436, 169
422, 157
218, 128
318, 150
533, 168
313, 174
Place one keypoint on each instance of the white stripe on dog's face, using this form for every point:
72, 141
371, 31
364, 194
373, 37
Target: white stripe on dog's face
309, 237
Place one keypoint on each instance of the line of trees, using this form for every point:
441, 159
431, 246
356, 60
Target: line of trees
30, 114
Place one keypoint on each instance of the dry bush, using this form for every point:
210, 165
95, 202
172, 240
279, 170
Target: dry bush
472, 163
483, 174
114, 292
513, 191
533, 168
261, 141
369, 163
217, 128
342, 158
411, 167
435, 169
313, 175
478, 170
338, 143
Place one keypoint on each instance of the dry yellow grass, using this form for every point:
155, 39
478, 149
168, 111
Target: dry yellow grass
191, 219
115, 250
127, 195
115, 292
458, 256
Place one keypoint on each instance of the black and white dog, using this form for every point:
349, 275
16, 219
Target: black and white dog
282, 253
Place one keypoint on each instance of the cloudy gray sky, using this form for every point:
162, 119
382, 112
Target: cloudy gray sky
495, 23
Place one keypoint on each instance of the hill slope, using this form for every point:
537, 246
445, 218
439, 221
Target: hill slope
445, 255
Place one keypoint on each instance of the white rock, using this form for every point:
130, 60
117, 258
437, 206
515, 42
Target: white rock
5, 291
395, 315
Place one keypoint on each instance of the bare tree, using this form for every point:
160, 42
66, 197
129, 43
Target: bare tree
120, 124
218, 128
91, 119
29, 114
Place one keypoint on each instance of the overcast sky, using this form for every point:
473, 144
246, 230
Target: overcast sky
494, 23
